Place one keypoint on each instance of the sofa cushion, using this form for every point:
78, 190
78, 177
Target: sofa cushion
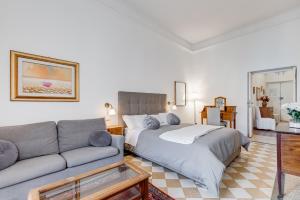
31, 168
73, 134
32, 140
88, 154
8, 154
100, 139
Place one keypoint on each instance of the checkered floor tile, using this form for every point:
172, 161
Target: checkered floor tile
250, 176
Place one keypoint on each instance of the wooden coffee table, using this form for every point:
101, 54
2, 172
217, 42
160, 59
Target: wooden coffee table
117, 181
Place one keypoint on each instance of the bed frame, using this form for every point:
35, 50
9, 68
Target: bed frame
136, 103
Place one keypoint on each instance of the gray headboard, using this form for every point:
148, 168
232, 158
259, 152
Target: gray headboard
136, 103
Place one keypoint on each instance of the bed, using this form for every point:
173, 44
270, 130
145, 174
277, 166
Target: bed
203, 161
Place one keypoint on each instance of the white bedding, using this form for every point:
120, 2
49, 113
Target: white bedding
132, 135
187, 135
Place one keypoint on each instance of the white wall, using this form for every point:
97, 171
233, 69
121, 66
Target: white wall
221, 70
114, 53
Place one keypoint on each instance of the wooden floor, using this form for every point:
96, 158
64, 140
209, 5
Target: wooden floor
264, 136
264, 133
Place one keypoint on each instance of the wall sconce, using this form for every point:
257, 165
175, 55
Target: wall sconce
110, 109
172, 105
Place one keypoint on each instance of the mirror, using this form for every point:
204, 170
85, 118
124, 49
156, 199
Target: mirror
180, 93
220, 102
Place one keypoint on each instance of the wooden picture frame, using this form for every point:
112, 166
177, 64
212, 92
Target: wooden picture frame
179, 93
220, 102
40, 78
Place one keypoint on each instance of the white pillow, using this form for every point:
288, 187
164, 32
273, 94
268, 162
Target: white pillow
163, 118
134, 121
156, 117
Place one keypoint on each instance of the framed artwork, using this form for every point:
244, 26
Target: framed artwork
220, 102
180, 93
39, 78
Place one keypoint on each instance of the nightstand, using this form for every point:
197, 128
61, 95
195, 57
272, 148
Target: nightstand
116, 129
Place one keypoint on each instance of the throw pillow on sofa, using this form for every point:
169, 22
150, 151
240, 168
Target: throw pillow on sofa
8, 154
100, 139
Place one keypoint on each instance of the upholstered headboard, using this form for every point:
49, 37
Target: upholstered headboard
136, 103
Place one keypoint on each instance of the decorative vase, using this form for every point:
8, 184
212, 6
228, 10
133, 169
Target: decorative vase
295, 123
264, 104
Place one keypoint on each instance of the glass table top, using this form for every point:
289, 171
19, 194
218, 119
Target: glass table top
86, 186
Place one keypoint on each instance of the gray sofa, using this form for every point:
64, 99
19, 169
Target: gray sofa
49, 152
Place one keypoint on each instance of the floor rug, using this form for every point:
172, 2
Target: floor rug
157, 194
250, 176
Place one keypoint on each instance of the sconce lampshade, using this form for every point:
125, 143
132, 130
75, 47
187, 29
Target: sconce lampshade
112, 111
172, 105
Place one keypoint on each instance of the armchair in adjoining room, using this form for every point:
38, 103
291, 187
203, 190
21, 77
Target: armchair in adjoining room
264, 123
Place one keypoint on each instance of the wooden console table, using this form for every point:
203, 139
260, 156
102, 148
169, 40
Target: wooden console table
288, 154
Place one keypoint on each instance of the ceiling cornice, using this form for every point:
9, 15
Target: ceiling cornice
245, 30
121, 8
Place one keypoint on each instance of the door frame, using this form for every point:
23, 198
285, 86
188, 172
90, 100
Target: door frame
249, 92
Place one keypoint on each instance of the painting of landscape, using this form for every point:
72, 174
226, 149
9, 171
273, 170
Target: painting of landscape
40, 79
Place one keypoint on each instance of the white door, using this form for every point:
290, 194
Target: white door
273, 92
287, 96
280, 93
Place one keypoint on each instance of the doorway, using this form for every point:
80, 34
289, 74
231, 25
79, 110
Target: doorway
276, 87
280, 93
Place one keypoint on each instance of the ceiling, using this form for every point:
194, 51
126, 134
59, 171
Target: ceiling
195, 21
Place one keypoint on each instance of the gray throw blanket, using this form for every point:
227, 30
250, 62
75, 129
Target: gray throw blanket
202, 161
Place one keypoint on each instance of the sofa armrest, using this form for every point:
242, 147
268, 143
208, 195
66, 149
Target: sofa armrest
118, 142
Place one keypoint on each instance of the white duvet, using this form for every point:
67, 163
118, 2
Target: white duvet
187, 135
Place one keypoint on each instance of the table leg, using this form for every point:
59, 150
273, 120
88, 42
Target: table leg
280, 175
144, 189
230, 124
280, 178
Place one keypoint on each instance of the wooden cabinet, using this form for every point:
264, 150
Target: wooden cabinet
288, 154
266, 112
116, 129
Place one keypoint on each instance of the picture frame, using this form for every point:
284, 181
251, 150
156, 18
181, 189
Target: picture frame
40, 78
180, 93
220, 102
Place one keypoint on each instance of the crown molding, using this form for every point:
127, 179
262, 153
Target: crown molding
124, 10
245, 30
121, 8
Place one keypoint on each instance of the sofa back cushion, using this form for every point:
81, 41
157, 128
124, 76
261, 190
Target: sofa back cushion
73, 134
32, 140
